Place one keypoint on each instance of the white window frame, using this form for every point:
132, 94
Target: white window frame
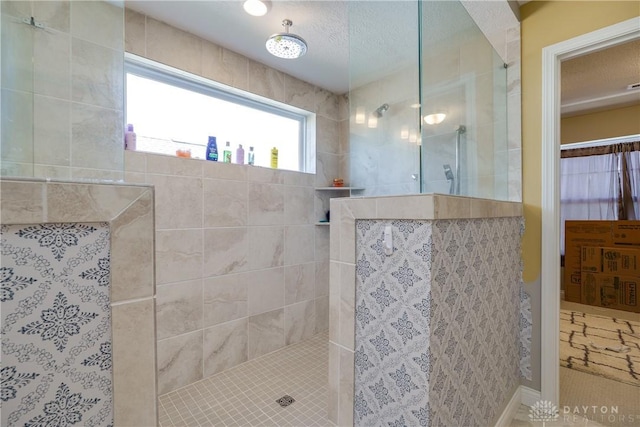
162, 73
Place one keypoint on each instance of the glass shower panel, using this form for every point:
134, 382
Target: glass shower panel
62, 89
464, 79
383, 97
16, 90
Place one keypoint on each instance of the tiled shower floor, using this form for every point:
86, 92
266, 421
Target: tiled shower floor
246, 394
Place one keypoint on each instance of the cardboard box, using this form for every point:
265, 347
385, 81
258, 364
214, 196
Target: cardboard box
611, 291
626, 233
623, 261
592, 233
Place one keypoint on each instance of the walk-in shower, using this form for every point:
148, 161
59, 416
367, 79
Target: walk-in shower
438, 64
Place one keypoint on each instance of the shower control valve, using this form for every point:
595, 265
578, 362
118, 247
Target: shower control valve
388, 240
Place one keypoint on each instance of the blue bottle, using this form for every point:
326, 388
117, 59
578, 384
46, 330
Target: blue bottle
212, 149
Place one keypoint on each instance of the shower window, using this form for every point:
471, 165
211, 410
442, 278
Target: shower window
172, 110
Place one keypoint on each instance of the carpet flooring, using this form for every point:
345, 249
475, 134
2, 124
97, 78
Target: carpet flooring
600, 345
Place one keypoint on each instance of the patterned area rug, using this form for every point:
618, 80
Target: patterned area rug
600, 345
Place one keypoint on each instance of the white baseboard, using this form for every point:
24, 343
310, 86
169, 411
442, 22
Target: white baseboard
529, 396
523, 395
510, 411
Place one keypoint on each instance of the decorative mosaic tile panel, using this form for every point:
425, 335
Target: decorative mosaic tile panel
526, 323
56, 325
392, 324
475, 312
437, 322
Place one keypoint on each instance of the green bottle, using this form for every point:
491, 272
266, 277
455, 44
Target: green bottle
226, 154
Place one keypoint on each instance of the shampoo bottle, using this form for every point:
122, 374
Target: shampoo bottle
130, 138
240, 155
226, 154
274, 158
212, 149
252, 156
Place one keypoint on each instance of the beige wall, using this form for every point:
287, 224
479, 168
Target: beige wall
545, 23
241, 268
601, 125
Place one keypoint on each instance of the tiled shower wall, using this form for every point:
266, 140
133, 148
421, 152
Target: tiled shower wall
498, 161
62, 90
437, 331
381, 162
242, 270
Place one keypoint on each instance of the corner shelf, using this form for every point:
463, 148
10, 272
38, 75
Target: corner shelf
333, 192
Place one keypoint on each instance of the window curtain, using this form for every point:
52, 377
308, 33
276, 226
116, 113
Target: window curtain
630, 181
600, 183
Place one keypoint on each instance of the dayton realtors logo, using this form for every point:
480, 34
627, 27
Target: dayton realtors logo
600, 414
543, 411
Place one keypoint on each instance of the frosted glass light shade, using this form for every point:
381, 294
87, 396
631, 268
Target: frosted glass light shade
255, 7
434, 119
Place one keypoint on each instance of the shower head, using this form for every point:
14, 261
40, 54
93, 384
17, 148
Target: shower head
286, 45
461, 129
381, 110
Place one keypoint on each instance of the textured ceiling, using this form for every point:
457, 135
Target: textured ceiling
389, 27
325, 25
599, 80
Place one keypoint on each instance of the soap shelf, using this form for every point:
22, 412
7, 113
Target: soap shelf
330, 193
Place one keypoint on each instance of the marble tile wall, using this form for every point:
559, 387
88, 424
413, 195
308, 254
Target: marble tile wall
381, 161
464, 77
62, 90
98, 237
239, 271
242, 237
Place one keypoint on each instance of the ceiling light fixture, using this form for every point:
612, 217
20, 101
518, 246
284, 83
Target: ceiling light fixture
255, 7
435, 118
286, 45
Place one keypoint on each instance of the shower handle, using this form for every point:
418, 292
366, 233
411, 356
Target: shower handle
450, 178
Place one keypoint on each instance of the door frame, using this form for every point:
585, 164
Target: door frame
550, 270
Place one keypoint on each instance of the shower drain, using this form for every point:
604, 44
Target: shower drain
285, 400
